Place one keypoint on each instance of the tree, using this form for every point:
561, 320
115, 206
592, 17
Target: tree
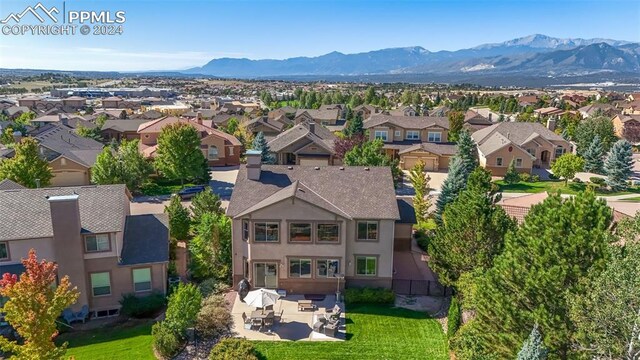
456, 121
183, 307
370, 153
34, 303
587, 129
126, 166
567, 165
451, 187
618, 165
205, 202
533, 348
26, 167
472, 231
355, 127
544, 262
179, 220
260, 144
511, 176
106, 168
210, 249
467, 152
593, 162
607, 317
179, 156
420, 182
341, 146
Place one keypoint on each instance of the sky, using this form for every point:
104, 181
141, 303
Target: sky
172, 34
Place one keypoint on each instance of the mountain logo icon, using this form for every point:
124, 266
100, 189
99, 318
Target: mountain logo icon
16, 17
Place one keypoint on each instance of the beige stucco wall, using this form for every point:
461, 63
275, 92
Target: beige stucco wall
69, 167
19, 249
391, 133
490, 163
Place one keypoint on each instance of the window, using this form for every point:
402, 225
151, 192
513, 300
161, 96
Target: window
213, 152
63, 161
518, 162
328, 232
299, 232
499, 161
266, 232
381, 134
101, 284
97, 243
327, 268
414, 135
245, 230
4, 251
366, 265
230, 150
532, 152
367, 230
398, 133
300, 268
142, 279
559, 151
434, 136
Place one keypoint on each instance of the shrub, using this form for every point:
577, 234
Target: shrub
369, 295
165, 340
142, 307
468, 344
597, 180
214, 300
184, 305
213, 321
525, 177
453, 318
577, 180
212, 286
233, 349
535, 178
423, 238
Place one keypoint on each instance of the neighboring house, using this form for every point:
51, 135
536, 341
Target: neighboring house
474, 121
301, 228
632, 108
305, 144
14, 112
270, 128
529, 144
592, 109
403, 233
70, 156
403, 111
366, 111
69, 104
207, 114
220, 148
69, 120
91, 235
328, 117
116, 102
403, 135
627, 127
548, 111
120, 129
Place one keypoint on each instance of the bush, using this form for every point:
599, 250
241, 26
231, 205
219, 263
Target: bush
369, 296
525, 177
598, 180
213, 321
214, 300
577, 180
183, 308
468, 345
233, 349
423, 238
453, 318
212, 286
165, 340
142, 307
535, 178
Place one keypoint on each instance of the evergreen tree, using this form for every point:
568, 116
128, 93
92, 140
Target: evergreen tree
179, 221
467, 152
451, 187
355, 127
511, 176
26, 167
618, 165
593, 161
544, 262
533, 348
205, 202
260, 144
587, 129
420, 182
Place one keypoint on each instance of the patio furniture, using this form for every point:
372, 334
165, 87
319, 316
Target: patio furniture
261, 298
335, 312
268, 307
278, 318
71, 316
256, 322
304, 305
331, 328
246, 321
317, 326
322, 318
268, 323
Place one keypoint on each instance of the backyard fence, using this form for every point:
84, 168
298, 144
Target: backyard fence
420, 287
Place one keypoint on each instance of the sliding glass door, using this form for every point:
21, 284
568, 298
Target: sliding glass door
265, 275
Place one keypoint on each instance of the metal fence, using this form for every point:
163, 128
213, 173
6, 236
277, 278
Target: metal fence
420, 287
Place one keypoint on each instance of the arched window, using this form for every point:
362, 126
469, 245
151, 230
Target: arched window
213, 152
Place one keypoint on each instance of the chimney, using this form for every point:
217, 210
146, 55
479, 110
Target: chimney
551, 124
312, 127
199, 117
17, 137
68, 242
254, 164
490, 116
63, 120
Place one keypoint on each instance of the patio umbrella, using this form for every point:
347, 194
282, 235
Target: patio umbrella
261, 298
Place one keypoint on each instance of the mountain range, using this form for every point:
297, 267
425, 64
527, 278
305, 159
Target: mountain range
536, 55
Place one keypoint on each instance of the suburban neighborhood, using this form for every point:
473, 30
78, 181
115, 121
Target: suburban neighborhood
466, 203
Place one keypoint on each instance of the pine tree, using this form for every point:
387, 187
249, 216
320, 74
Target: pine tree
205, 202
467, 152
420, 182
179, 220
618, 165
511, 176
451, 187
533, 348
593, 162
355, 127
260, 144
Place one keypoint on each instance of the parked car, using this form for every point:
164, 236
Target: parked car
191, 191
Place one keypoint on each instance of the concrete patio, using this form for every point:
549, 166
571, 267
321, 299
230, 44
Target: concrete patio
294, 325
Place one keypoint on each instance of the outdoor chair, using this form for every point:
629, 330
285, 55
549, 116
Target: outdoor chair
317, 327
256, 322
246, 321
268, 323
331, 328
335, 313
268, 307
71, 316
277, 317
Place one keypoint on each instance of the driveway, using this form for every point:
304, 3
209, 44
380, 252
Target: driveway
222, 182
437, 178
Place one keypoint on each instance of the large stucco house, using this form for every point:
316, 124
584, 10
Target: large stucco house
300, 228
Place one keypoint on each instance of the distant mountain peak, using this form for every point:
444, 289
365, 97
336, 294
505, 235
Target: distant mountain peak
541, 41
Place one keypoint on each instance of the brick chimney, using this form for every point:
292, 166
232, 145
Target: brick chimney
68, 246
551, 124
254, 164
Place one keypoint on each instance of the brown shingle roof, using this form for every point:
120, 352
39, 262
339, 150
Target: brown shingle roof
407, 122
320, 136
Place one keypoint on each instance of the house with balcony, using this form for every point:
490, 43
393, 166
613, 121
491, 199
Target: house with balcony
89, 232
305, 144
414, 138
303, 229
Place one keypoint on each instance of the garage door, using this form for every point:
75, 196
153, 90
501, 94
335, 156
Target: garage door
430, 163
68, 178
314, 162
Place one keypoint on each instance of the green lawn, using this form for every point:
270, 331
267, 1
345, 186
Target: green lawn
552, 186
632, 199
117, 342
373, 332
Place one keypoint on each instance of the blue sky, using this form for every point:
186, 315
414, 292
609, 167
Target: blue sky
171, 34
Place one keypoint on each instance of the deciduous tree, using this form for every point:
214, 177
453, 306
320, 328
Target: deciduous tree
567, 165
205, 202
179, 156
618, 165
456, 121
587, 129
341, 146
26, 167
370, 153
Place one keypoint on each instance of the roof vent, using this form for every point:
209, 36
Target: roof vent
290, 167
366, 169
341, 167
317, 168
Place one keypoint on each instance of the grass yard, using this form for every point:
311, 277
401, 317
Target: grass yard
373, 332
552, 186
117, 342
632, 199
